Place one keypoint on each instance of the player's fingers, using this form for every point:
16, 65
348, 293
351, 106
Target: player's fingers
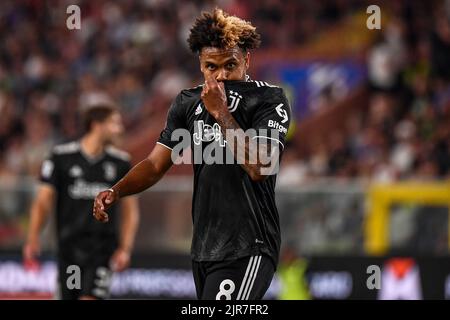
97, 210
98, 203
207, 78
121, 264
207, 83
101, 216
30, 252
102, 196
104, 218
109, 198
27, 253
204, 94
115, 264
205, 89
210, 81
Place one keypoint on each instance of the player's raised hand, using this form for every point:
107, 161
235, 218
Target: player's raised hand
214, 97
102, 202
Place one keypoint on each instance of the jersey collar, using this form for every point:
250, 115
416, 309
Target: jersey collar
90, 159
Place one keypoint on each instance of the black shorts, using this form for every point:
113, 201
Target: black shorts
94, 278
246, 278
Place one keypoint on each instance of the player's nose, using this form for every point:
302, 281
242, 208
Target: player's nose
221, 76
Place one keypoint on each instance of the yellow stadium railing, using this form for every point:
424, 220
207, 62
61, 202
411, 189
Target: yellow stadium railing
381, 197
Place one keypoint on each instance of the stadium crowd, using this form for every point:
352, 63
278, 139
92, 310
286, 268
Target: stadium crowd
132, 52
135, 54
404, 131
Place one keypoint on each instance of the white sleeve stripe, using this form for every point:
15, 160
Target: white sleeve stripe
270, 139
164, 145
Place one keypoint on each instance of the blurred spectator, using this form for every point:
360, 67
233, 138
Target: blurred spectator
440, 46
386, 59
135, 53
293, 171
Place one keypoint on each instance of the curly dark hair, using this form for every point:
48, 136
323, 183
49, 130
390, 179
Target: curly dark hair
219, 29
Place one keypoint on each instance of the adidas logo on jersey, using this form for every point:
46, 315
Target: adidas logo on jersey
75, 172
198, 110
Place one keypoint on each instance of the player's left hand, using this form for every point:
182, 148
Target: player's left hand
103, 201
120, 260
214, 97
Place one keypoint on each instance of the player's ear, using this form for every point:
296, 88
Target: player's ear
200, 61
247, 59
201, 68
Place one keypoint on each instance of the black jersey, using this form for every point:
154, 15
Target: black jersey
233, 215
77, 179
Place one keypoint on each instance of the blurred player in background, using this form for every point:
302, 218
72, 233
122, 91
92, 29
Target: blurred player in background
236, 236
73, 174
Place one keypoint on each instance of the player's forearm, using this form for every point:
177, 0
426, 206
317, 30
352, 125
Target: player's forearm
129, 225
127, 237
141, 177
249, 159
38, 217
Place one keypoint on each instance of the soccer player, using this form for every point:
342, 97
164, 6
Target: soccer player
236, 235
73, 175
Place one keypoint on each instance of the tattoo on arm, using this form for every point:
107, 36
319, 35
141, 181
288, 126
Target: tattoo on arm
249, 159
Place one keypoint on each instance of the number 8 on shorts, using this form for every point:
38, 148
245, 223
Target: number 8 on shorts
226, 292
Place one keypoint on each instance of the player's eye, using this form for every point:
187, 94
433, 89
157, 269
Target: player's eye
231, 65
210, 67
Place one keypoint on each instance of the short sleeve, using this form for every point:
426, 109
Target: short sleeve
272, 118
50, 171
176, 119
